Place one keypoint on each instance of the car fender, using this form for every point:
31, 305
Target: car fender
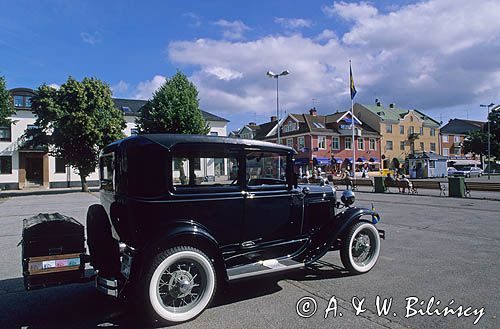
181, 232
325, 237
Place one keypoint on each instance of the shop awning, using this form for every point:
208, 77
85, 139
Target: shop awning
374, 159
337, 160
348, 160
301, 161
322, 161
361, 159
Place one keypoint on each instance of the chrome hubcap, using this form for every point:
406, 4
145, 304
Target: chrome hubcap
362, 251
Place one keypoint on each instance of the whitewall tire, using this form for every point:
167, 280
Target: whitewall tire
360, 248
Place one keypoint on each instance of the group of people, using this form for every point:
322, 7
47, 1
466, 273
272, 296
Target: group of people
392, 181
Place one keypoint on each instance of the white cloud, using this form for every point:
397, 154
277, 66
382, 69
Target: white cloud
351, 11
293, 23
233, 30
429, 55
145, 89
91, 38
223, 73
120, 88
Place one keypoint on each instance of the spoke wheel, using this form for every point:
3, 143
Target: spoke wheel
360, 248
182, 284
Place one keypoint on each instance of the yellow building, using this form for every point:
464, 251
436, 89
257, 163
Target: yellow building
403, 131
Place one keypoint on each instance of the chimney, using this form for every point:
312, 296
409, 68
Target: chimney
377, 102
392, 105
273, 118
252, 124
312, 111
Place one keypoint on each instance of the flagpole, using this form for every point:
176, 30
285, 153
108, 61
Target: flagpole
353, 144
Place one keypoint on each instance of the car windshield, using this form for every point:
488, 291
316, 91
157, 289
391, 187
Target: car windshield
466, 169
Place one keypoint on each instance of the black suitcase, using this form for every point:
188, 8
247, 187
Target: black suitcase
53, 249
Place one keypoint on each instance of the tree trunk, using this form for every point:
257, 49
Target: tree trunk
85, 187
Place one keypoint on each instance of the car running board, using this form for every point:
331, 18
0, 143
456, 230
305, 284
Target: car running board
262, 268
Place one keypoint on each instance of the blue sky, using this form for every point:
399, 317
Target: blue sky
439, 56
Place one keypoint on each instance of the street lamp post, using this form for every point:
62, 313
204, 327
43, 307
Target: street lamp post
489, 143
276, 76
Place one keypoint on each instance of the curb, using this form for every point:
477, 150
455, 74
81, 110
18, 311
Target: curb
44, 192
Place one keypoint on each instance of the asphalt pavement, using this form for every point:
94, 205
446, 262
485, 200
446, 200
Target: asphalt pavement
438, 247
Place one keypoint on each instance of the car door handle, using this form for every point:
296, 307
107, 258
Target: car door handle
248, 195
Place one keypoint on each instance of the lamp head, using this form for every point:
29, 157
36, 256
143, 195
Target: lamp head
271, 74
285, 72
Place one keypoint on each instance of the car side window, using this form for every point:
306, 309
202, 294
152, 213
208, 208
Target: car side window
200, 171
266, 168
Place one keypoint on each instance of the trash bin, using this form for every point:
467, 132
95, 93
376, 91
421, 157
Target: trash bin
379, 186
456, 187
52, 248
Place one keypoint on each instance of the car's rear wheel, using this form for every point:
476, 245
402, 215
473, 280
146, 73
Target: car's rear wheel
360, 248
181, 283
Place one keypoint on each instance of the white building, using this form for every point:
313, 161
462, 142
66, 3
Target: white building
24, 168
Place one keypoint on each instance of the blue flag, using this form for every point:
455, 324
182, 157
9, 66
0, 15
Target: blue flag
353, 89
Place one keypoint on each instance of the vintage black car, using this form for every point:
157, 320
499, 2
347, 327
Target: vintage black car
180, 214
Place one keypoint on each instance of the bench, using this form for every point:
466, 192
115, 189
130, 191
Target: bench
400, 185
431, 185
362, 182
483, 186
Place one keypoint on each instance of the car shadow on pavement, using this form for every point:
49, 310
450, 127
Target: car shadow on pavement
81, 306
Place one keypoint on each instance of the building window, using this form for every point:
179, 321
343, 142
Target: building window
373, 144
290, 126
5, 165
321, 142
456, 139
348, 143
27, 101
432, 164
388, 128
433, 147
388, 145
336, 143
60, 166
446, 151
214, 133
445, 138
361, 144
402, 146
433, 131
421, 131
5, 133
18, 101
411, 130
289, 142
422, 146
301, 142
411, 119
402, 130
456, 150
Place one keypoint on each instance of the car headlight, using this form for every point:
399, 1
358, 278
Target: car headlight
348, 197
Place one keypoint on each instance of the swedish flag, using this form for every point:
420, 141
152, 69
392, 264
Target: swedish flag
353, 89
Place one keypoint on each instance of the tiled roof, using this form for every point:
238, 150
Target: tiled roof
132, 106
460, 126
396, 113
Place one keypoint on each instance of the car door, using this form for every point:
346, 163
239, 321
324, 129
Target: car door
272, 210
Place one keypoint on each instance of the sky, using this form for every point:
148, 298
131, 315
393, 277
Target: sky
440, 56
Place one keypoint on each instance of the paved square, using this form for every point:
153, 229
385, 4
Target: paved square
442, 247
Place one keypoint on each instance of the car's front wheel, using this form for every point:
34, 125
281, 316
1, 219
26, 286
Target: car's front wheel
181, 284
360, 248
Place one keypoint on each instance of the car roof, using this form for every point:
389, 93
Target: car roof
170, 140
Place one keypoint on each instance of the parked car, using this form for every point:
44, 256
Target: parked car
181, 236
469, 172
451, 171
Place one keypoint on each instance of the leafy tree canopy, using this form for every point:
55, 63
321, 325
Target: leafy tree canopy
477, 141
6, 107
77, 121
174, 109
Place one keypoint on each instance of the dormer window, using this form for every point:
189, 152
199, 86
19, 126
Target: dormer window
290, 126
18, 101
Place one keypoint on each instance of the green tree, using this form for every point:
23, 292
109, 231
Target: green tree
173, 109
477, 141
77, 121
6, 107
